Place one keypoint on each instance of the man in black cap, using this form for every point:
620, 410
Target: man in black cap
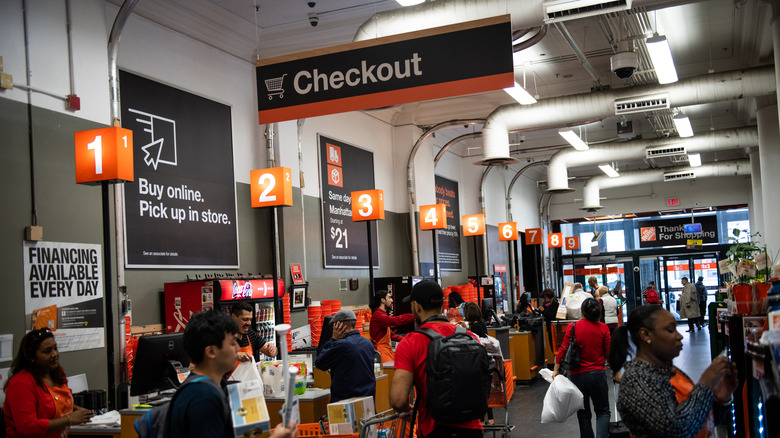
427, 299
701, 291
350, 359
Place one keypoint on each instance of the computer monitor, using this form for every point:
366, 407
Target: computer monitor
327, 332
158, 360
489, 311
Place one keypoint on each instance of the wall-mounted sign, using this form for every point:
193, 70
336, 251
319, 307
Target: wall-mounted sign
671, 232
449, 238
104, 154
181, 209
345, 169
410, 67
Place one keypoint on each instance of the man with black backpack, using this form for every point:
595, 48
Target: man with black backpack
447, 366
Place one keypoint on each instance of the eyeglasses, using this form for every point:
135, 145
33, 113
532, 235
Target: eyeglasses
40, 333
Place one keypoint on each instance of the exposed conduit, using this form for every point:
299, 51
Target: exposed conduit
592, 190
557, 172
302, 184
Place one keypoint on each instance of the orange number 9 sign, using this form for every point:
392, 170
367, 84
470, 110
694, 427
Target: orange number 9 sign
368, 205
555, 240
473, 225
572, 243
433, 217
507, 231
270, 187
104, 154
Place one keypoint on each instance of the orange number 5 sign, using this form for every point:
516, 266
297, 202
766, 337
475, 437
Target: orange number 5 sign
104, 154
474, 225
433, 217
368, 205
270, 187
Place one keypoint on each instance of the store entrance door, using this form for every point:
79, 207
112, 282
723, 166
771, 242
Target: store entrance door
674, 268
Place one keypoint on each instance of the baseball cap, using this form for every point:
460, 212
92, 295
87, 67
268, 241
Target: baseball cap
426, 292
343, 315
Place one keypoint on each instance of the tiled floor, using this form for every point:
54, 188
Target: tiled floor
525, 408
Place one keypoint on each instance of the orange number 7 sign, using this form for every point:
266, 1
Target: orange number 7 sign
533, 236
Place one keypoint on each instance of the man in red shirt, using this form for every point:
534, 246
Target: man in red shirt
410, 358
381, 334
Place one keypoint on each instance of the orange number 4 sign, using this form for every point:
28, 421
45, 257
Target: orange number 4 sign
555, 240
433, 217
533, 236
270, 187
473, 225
507, 231
368, 205
104, 154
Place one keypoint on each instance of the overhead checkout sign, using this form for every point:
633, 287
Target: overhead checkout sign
446, 61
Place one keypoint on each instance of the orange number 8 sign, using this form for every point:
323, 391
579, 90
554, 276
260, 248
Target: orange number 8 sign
368, 205
555, 240
270, 187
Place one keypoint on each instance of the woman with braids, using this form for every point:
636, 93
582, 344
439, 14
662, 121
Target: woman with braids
38, 402
657, 399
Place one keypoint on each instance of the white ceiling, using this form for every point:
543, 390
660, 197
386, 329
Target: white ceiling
710, 35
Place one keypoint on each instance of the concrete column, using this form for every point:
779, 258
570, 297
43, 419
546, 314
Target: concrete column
769, 155
757, 202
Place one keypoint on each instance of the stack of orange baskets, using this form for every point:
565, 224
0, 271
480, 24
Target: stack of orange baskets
315, 322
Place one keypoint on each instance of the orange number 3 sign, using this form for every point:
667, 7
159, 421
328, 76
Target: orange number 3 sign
368, 205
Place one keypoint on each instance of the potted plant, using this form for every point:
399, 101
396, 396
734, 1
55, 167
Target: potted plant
750, 265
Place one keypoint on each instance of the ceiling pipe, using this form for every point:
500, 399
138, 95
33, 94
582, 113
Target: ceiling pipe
458, 139
561, 161
530, 42
592, 190
564, 110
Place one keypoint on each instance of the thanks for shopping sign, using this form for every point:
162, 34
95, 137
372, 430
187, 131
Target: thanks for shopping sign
434, 63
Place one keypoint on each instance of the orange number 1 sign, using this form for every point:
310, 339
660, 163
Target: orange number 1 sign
104, 154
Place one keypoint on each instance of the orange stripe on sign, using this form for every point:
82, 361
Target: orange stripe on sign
386, 98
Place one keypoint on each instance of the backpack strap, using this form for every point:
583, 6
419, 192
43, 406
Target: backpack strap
173, 399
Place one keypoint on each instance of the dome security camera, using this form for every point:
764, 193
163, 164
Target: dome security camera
314, 20
636, 268
624, 64
312, 4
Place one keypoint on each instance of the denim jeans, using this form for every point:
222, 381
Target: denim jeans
593, 385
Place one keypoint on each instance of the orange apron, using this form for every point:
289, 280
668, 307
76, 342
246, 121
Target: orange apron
247, 350
682, 389
384, 348
63, 404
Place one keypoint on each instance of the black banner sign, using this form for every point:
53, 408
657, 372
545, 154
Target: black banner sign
449, 239
181, 209
345, 169
669, 232
442, 62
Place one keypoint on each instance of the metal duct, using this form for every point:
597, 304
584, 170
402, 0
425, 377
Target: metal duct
568, 110
592, 190
557, 170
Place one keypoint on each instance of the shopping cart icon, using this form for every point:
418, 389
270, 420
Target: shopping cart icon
274, 86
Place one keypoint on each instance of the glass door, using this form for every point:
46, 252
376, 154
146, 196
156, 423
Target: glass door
673, 269
707, 268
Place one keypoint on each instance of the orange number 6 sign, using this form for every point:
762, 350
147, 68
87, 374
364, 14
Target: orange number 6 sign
507, 231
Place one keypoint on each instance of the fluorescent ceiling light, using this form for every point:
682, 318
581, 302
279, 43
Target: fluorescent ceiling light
683, 125
694, 160
573, 139
409, 2
520, 95
609, 170
661, 55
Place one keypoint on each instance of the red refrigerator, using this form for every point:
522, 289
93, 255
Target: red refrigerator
185, 298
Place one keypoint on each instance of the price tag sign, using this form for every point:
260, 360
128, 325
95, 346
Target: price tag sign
507, 231
555, 240
433, 217
104, 154
473, 224
572, 243
533, 236
270, 187
368, 205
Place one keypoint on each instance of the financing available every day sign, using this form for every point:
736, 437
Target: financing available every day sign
447, 61
63, 291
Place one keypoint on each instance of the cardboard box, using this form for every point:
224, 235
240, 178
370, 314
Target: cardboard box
344, 416
248, 409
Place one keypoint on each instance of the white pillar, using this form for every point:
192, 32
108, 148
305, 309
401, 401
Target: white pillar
757, 202
769, 153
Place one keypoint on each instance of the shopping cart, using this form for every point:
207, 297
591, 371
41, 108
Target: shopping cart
274, 87
388, 424
502, 387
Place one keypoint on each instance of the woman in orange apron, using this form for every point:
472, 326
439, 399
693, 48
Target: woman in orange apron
656, 398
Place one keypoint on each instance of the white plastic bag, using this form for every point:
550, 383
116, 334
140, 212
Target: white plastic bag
246, 371
574, 304
562, 400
